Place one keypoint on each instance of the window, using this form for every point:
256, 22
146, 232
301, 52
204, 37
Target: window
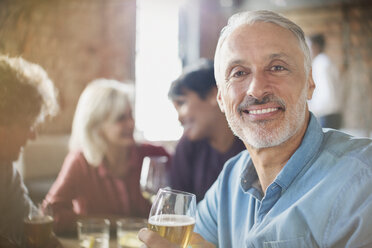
157, 65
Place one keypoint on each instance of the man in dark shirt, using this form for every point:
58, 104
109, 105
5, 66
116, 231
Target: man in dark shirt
207, 142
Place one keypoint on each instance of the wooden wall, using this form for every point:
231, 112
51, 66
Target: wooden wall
76, 41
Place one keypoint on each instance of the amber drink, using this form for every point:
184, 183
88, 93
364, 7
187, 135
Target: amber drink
172, 216
175, 228
38, 231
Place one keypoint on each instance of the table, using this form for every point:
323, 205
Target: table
72, 242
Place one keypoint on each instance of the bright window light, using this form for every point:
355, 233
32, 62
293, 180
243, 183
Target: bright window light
157, 65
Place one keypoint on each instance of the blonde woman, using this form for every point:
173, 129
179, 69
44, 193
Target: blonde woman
100, 175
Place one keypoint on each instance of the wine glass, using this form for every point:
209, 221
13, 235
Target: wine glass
172, 216
154, 175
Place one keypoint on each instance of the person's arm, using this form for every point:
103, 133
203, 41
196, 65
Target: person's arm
154, 240
61, 195
15, 204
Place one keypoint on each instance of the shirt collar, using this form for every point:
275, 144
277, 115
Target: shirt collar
304, 154
307, 150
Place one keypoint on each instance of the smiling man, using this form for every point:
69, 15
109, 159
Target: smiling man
207, 142
296, 185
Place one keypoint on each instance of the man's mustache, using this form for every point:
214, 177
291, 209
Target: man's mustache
252, 101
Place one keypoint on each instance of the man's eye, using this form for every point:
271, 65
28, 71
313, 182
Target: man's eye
179, 103
239, 73
277, 68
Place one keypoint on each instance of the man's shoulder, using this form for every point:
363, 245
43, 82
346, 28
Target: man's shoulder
236, 164
345, 146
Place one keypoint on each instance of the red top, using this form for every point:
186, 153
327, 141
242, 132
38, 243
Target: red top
86, 190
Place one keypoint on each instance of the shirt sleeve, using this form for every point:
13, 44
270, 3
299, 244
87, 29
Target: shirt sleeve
15, 203
207, 214
182, 167
62, 193
349, 223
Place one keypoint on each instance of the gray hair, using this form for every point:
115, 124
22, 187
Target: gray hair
27, 95
102, 100
251, 17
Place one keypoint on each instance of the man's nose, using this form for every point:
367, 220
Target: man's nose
182, 111
259, 86
180, 117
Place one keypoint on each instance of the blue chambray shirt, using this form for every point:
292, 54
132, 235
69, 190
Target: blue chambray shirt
321, 198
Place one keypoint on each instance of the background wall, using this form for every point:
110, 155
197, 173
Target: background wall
74, 40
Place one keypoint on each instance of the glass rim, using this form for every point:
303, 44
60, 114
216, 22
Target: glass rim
93, 221
157, 157
45, 218
131, 220
176, 191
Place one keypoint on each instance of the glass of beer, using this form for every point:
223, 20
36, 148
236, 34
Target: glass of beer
38, 228
154, 175
172, 216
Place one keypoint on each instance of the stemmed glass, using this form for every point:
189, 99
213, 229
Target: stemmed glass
172, 216
154, 175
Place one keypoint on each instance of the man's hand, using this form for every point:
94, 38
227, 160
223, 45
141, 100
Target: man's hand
154, 240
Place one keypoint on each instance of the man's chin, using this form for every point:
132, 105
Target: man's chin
192, 136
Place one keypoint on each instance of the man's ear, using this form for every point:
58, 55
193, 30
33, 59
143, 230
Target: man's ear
311, 86
219, 101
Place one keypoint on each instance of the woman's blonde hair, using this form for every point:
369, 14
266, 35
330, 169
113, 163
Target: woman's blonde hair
102, 100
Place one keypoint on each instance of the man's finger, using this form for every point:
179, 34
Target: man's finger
154, 240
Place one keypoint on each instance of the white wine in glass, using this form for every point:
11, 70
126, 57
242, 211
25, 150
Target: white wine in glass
154, 175
172, 216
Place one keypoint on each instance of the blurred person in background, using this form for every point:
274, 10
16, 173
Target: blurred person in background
325, 103
207, 142
27, 98
100, 175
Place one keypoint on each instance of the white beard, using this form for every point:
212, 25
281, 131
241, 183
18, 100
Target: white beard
256, 135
